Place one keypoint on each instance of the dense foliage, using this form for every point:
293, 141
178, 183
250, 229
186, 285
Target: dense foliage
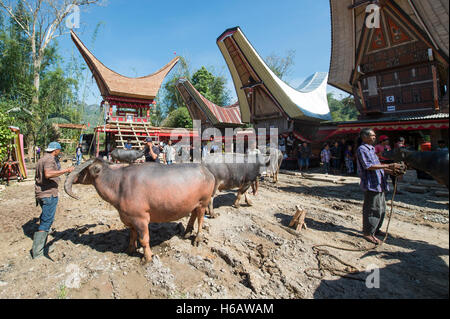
342, 110
38, 88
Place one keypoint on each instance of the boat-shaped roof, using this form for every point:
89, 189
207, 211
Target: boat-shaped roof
111, 83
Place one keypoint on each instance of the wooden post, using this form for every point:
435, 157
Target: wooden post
98, 144
435, 88
298, 221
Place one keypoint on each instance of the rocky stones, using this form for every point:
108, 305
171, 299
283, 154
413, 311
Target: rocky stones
73, 280
159, 275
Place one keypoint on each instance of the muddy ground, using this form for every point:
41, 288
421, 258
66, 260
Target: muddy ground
248, 252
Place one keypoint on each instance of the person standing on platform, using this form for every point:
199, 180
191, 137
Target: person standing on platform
128, 145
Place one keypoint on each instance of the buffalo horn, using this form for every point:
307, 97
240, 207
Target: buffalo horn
69, 180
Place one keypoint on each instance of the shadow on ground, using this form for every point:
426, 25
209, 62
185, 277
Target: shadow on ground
420, 272
115, 241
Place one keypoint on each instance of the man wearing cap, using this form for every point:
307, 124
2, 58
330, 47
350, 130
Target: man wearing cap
151, 152
48, 170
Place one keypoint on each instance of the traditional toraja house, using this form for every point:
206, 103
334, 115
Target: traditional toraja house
132, 99
209, 113
393, 58
264, 99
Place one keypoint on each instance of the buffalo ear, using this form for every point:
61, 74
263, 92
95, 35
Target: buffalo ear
95, 169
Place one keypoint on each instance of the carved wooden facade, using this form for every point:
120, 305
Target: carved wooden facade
398, 67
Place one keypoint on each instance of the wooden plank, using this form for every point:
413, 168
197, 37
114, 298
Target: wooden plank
298, 221
135, 135
120, 135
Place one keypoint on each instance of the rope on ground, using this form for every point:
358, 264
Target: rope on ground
339, 272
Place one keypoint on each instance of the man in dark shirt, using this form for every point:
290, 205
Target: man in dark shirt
47, 180
335, 151
151, 152
304, 153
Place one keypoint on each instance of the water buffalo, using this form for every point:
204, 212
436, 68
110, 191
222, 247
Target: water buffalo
128, 156
149, 193
434, 163
234, 171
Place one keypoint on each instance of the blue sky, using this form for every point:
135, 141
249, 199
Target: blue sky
138, 37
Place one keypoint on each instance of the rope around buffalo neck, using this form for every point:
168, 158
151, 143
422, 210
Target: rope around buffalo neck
350, 269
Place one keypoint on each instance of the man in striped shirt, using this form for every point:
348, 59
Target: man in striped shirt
373, 183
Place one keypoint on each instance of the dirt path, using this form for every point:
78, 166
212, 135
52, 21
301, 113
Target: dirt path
248, 252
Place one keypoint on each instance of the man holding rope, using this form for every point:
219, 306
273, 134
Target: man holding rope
374, 184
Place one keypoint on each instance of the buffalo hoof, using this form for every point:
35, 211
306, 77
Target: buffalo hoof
213, 215
145, 260
187, 234
198, 239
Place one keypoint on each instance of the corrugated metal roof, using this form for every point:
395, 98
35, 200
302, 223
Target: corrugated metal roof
436, 116
229, 114
312, 82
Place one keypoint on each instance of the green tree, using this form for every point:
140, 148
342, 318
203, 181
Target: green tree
178, 118
169, 99
342, 110
281, 66
5, 132
210, 86
39, 22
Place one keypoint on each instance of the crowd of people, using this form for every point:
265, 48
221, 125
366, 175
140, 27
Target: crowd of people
339, 156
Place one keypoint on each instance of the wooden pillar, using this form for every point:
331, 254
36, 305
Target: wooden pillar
98, 144
362, 98
435, 88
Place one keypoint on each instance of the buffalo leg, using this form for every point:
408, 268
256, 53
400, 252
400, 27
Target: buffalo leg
190, 226
133, 244
255, 186
241, 191
144, 240
238, 199
200, 213
247, 200
211, 209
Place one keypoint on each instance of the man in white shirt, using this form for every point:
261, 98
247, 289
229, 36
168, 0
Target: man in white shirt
169, 153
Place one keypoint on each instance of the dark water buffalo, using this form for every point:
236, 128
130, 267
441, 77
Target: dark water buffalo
233, 171
149, 193
433, 163
128, 156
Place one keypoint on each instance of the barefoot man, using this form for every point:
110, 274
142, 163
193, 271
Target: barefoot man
374, 185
